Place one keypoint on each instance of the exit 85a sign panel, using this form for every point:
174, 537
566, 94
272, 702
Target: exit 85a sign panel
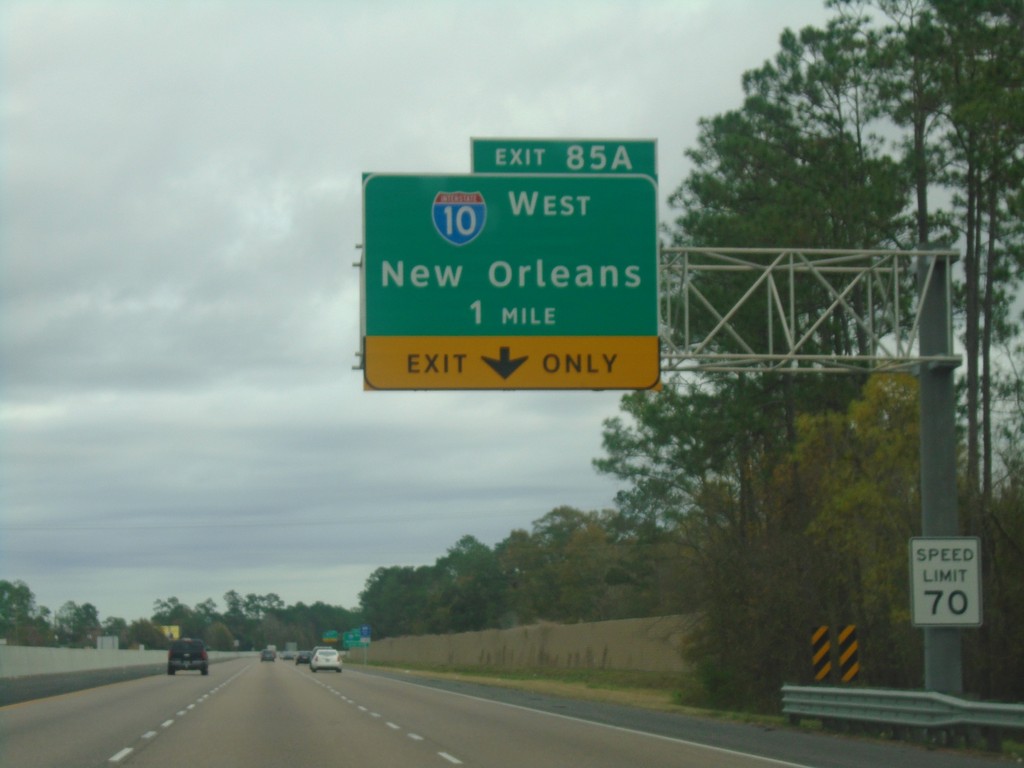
510, 282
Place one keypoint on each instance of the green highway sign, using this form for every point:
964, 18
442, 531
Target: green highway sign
486, 255
351, 639
355, 638
458, 267
573, 156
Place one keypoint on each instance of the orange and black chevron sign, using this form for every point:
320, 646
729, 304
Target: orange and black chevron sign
849, 653
821, 653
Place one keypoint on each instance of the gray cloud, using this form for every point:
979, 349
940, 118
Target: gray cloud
180, 200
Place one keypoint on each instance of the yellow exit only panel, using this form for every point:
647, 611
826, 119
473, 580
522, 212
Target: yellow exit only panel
518, 362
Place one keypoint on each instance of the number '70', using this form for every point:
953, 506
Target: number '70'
956, 602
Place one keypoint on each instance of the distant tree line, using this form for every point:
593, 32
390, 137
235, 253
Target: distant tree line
248, 622
572, 566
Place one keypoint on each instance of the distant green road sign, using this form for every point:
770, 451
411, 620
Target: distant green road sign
351, 639
573, 156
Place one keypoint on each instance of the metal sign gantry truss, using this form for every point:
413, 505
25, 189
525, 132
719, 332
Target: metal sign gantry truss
790, 300
789, 310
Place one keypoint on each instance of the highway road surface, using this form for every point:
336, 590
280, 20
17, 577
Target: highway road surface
273, 715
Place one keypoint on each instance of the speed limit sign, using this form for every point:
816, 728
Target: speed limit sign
945, 581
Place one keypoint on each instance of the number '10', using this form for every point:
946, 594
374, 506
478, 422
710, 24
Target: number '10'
462, 219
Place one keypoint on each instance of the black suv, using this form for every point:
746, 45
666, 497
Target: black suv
187, 654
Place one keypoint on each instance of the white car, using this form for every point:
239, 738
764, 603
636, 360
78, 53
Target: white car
325, 658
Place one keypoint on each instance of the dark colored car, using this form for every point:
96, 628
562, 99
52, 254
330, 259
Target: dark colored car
188, 654
303, 657
267, 655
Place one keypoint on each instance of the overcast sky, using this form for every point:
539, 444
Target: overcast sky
180, 204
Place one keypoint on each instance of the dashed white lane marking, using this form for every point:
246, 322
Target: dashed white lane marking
393, 726
168, 723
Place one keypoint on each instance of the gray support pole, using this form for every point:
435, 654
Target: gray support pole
943, 670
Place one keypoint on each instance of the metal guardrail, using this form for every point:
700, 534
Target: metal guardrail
919, 710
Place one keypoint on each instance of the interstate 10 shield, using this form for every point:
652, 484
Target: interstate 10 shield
459, 216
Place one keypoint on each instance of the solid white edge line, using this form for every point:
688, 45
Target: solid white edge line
121, 755
720, 750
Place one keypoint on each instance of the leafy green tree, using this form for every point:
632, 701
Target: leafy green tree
534, 564
472, 594
702, 471
143, 633
576, 566
115, 626
860, 471
171, 612
22, 622
589, 556
905, 69
994, 660
218, 637
234, 603
240, 625
396, 600
17, 604
77, 625
982, 67
521, 564
839, 558
978, 62
696, 458
256, 606
801, 164
206, 611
